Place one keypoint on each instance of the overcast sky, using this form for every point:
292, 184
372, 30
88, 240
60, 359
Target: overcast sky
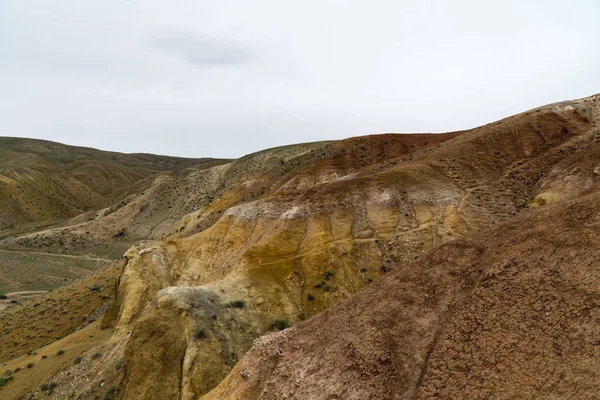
225, 78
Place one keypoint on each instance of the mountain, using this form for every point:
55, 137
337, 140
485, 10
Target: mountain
402, 265
50, 196
511, 312
43, 183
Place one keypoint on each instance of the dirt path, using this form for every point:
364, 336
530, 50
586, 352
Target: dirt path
39, 253
25, 293
21, 295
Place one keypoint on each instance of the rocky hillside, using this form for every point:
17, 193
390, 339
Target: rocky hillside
512, 312
468, 238
322, 232
43, 183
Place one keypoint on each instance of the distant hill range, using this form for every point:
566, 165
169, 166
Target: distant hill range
45, 183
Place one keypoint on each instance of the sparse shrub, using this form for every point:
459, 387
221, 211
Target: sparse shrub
4, 381
327, 288
44, 356
3, 296
319, 285
327, 275
48, 387
200, 334
236, 304
310, 297
96, 356
110, 393
60, 352
30, 365
278, 324
369, 279
14, 302
77, 360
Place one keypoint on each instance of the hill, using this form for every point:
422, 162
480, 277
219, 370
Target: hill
511, 312
157, 204
43, 183
45, 186
397, 260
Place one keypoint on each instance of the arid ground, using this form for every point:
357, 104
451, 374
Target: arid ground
461, 265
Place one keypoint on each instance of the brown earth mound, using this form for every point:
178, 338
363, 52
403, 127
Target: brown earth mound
513, 312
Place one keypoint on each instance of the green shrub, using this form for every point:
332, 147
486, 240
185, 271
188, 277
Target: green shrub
30, 365
310, 297
60, 352
278, 324
96, 355
327, 275
236, 304
327, 288
4, 381
48, 387
77, 360
3, 296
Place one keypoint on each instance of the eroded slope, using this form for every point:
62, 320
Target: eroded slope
319, 234
43, 183
512, 312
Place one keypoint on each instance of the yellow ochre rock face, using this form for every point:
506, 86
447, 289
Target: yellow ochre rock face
318, 234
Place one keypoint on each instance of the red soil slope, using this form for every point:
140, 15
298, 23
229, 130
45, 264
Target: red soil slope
513, 312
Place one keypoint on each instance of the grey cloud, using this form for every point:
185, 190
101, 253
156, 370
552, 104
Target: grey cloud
200, 50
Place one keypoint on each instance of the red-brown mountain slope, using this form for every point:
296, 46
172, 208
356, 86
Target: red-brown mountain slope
512, 312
